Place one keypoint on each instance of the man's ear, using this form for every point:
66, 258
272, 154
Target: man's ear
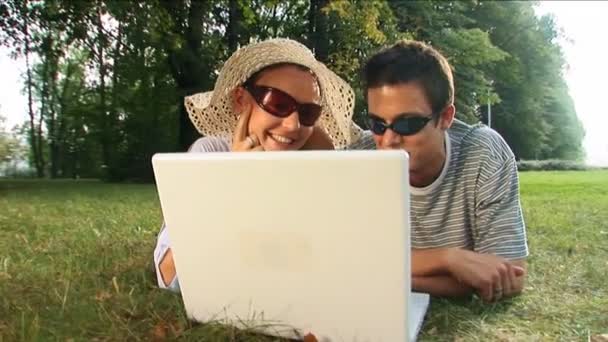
446, 118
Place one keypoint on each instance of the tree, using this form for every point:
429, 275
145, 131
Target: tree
106, 79
6, 143
13, 152
529, 81
23, 35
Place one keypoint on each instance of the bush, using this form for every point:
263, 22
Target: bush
550, 165
16, 170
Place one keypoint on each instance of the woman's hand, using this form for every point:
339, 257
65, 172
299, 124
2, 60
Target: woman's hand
242, 141
167, 267
319, 140
310, 338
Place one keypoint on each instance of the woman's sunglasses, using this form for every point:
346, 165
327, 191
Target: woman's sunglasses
281, 104
403, 125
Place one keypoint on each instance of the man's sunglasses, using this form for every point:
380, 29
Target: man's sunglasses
281, 104
403, 125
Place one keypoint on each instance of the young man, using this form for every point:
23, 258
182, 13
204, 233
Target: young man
468, 233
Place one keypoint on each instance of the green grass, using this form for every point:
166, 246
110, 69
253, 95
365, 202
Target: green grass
75, 263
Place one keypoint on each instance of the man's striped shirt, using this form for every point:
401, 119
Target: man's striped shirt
474, 203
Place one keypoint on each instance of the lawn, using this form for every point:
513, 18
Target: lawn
75, 264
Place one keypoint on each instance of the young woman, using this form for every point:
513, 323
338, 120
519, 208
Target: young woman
269, 96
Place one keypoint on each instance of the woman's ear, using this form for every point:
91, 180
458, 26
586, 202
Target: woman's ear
240, 100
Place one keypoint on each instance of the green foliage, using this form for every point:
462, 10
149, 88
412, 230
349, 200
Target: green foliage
88, 275
550, 165
536, 115
109, 76
5, 142
468, 51
13, 151
357, 30
11, 147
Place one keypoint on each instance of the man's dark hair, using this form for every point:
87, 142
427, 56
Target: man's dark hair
412, 61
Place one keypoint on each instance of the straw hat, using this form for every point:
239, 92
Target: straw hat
212, 114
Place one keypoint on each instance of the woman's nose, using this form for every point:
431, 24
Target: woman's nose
292, 122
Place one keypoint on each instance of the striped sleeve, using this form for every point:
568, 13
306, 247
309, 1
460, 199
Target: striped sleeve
366, 142
499, 228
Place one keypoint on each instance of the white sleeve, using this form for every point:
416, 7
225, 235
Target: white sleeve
201, 145
162, 245
210, 144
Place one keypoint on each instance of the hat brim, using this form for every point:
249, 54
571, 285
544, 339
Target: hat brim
212, 113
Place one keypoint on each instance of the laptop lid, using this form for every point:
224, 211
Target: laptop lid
292, 242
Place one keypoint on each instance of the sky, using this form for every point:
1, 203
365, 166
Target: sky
13, 103
586, 31
586, 52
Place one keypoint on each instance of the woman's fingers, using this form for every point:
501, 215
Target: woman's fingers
242, 141
241, 131
257, 149
310, 338
252, 140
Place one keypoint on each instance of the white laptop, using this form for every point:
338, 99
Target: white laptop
289, 243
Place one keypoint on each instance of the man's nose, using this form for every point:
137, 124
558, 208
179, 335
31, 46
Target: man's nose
390, 139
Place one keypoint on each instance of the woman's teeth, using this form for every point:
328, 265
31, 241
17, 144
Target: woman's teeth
281, 139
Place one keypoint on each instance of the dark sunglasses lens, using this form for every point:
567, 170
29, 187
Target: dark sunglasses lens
409, 126
309, 113
282, 105
277, 103
376, 126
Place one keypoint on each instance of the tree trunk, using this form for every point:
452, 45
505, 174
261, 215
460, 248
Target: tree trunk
115, 72
232, 31
58, 150
117, 132
317, 30
50, 78
103, 111
187, 63
34, 139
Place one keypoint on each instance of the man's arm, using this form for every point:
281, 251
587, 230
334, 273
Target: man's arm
430, 274
449, 286
496, 267
518, 282
440, 286
453, 272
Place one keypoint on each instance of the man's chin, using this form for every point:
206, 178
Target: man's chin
416, 176
417, 182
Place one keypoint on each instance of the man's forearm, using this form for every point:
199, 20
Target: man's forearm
430, 262
440, 285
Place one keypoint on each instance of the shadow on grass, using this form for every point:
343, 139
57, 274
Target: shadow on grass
453, 318
141, 310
